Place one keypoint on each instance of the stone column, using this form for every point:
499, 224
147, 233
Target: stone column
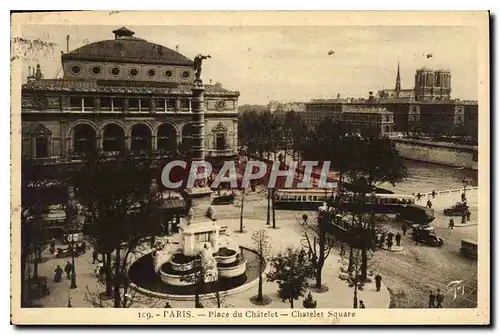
63, 139
198, 137
177, 105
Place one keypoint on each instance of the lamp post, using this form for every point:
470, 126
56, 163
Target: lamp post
73, 272
465, 182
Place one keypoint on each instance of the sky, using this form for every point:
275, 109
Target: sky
291, 63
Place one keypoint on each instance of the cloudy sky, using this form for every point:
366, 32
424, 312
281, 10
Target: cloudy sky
291, 63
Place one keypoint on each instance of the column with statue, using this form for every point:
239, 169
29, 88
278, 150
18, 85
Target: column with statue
200, 193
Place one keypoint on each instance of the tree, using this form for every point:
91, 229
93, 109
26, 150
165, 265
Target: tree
124, 206
241, 204
291, 269
263, 245
321, 245
36, 188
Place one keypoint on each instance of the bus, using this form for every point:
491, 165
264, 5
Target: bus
313, 198
415, 214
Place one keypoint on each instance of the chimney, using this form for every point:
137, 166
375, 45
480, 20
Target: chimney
30, 77
210, 81
177, 47
67, 43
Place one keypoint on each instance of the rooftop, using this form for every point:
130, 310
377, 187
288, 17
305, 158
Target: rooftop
94, 86
126, 48
368, 110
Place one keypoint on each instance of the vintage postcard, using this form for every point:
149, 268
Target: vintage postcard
259, 168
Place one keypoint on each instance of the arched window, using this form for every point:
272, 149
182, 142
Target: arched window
166, 138
140, 138
113, 138
84, 139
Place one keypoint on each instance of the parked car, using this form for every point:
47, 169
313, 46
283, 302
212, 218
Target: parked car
457, 210
426, 235
223, 200
469, 248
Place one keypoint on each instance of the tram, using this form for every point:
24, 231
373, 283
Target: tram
313, 198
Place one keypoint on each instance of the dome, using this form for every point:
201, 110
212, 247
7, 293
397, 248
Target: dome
126, 48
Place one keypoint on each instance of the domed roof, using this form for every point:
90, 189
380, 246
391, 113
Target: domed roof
126, 48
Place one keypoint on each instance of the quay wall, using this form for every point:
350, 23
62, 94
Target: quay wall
437, 152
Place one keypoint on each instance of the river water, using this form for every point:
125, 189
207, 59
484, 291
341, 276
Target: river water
424, 177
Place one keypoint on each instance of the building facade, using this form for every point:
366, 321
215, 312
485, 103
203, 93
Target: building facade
123, 94
426, 108
378, 120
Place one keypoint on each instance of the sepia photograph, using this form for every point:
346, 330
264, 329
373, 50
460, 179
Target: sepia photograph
250, 168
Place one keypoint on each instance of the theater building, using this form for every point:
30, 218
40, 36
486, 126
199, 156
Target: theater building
123, 94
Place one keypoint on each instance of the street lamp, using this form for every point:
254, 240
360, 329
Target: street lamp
73, 272
465, 182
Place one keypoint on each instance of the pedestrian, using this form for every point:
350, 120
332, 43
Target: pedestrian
52, 248
439, 299
404, 229
432, 300
468, 215
398, 239
378, 281
342, 250
95, 256
68, 268
361, 304
152, 241
389, 244
381, 241
433, 194
304, 219
419, 196
429, 203
464, 215
451, 224
58, 275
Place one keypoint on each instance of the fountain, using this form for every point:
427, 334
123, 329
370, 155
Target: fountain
202, 251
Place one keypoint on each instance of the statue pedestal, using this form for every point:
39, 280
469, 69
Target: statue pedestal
196, 235
200, 197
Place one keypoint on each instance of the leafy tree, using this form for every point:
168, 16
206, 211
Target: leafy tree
37, 194
124, 207
262, 244
291, 269
321, 245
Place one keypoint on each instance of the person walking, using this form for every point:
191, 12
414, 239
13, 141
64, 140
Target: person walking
451, 224
68, 268
361, 304
398, 239
468, 215
58, 275
432, 300
304, 219
429, 203
342, 250
433, 194
95, 256
389, 244
439, 299
404, 229
419, 196
381, 241
378, 282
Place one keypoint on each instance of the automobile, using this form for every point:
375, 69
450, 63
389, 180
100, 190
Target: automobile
223, 200
469, 248
456, 210
426, 235
415, 214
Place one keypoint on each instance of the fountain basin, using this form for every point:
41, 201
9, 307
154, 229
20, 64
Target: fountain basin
233, 271
177, 280
181, 263
226, 256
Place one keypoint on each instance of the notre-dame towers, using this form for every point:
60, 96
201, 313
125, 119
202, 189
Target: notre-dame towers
432, 85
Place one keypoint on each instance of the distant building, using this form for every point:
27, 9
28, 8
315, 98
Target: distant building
280, 109
427, 107
375, 118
